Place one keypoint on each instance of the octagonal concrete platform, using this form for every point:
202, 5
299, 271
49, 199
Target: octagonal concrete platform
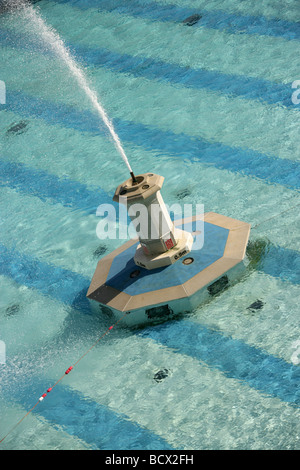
122, 286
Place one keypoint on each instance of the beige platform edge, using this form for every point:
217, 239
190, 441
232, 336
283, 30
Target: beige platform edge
234, 253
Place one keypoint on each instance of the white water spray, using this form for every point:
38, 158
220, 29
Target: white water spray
53, 40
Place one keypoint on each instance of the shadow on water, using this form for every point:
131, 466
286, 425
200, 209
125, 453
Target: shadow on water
256, 252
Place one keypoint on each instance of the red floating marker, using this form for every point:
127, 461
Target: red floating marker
49, 390
110, 328
68, 370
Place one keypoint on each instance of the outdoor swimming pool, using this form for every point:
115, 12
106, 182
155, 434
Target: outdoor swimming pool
209, 107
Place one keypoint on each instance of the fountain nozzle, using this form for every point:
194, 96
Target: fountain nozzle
134, 180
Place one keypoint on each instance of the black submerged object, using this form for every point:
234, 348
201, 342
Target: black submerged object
17, 128
100, 251
257, 305
12, 309
218, 286
161, 375
193, 19
183, 193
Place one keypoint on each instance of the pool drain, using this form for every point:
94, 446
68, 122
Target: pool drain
161, 375
191, 20
17, 128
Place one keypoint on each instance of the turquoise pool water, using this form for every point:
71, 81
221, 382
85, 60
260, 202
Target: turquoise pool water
210, 108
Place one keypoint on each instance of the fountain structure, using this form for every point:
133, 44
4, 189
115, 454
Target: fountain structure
165, 271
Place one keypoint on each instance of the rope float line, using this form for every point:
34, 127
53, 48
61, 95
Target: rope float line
277, 215
42, 397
